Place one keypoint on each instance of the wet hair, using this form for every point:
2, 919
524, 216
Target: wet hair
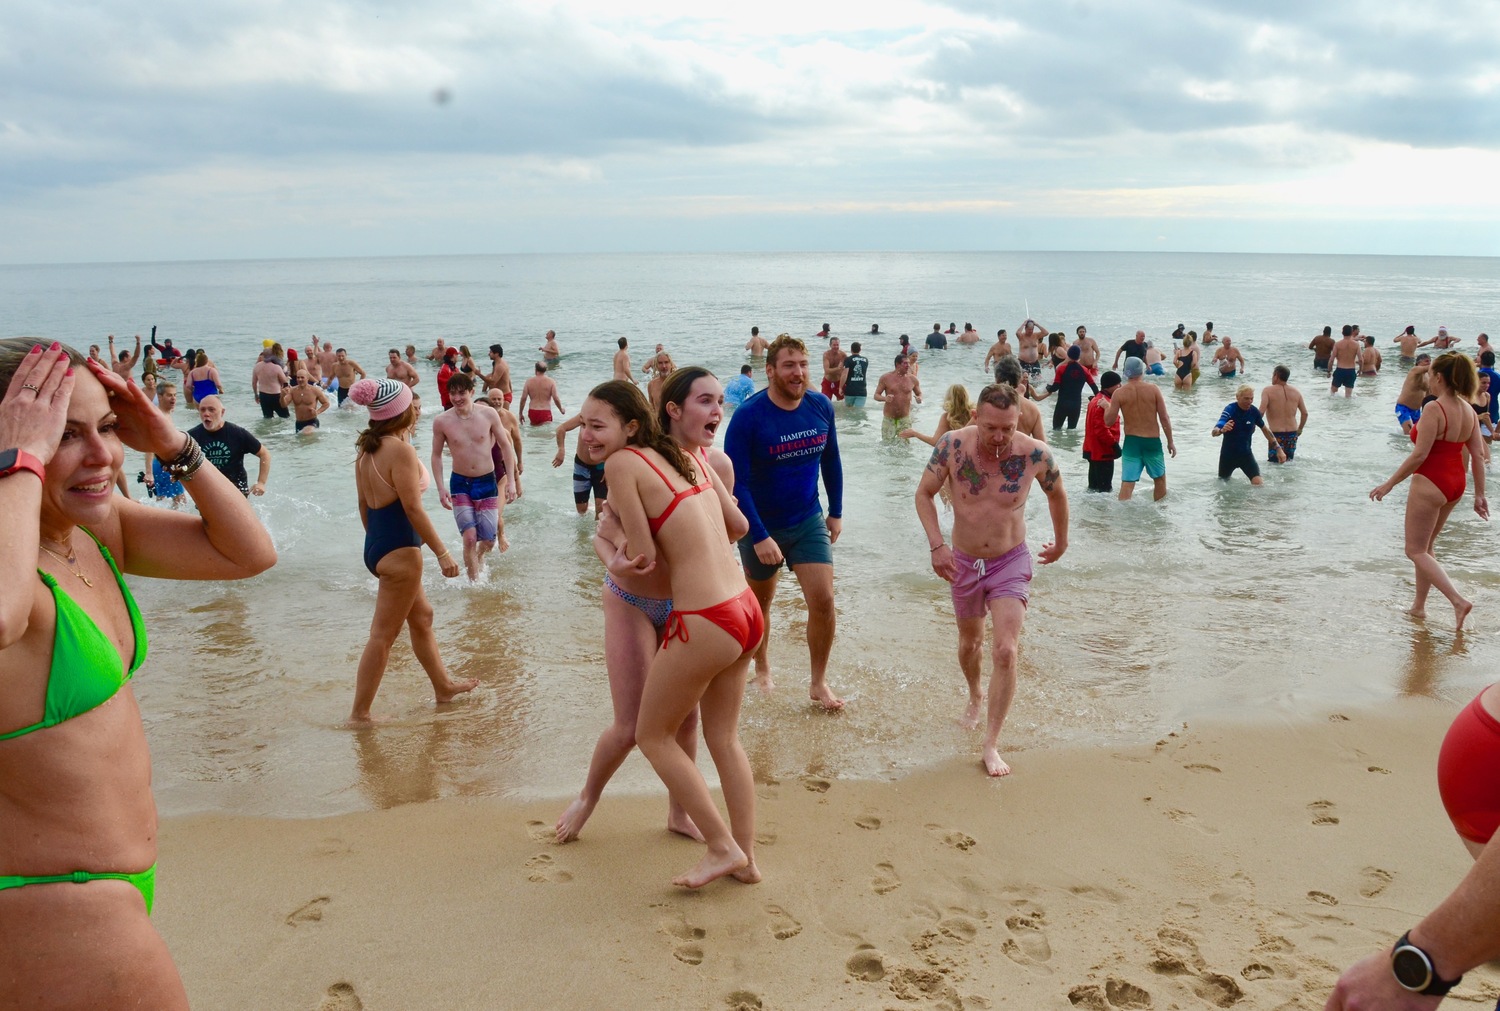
1001, 395
1189, 339
675, 389
1458, 372
999, 334
277, 349
957, 406
1054, 340
746, 370
900, 359
854, 348
463, 349
460, 382
163, 387
1369, 341
1328, 331
124, 355
393, 351
622, 342
368, 441
497, 349
1208, 326
1487, 359
1008, 371
200, 360
784, 342
630, 404
13, 352
755, 331
1282, 372
340, 351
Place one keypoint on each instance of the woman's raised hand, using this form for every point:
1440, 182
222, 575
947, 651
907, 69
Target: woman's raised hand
34, 411
142, 426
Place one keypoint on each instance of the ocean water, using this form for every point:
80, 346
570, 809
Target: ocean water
1256, 603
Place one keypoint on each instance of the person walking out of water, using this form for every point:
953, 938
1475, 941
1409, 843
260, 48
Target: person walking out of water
856, 373
346, 371
1322, 348
389, 481
1237, 425
833, 370
226, 445
997, 351
1144, 409
1101, 442
990, 467
1344, 363
471, 432
498, 377
268, 380
551, 354
1068, 383
307, 401
159, 479
1229, 359
1008, 371
1186, 360
1133, 348
203, 379
1435, 465
541, 392
780, 443
895, 390
1285, 412
401, 370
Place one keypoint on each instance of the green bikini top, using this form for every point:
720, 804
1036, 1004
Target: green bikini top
85, 671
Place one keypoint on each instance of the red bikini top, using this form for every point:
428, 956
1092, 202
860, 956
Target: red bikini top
697, 489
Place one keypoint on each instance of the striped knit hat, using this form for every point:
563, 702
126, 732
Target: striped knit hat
386, 398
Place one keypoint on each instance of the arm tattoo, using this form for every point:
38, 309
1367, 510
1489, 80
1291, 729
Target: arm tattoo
1050, 475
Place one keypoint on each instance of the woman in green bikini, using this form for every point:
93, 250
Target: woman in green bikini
77, 819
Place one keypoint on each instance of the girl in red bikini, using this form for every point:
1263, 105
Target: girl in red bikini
672, 505
1436, 467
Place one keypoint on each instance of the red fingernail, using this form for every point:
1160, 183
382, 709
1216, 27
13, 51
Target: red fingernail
37, 350
55, 346
69, 372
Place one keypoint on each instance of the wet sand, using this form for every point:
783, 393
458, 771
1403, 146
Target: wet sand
1222, 865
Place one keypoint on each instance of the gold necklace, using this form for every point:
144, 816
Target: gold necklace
70, 560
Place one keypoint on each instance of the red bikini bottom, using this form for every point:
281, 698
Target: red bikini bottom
739, 616
1469, 773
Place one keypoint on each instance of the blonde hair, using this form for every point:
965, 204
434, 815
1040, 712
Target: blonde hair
958, 407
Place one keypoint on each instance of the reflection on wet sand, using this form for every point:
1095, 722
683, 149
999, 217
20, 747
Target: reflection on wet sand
1428, 662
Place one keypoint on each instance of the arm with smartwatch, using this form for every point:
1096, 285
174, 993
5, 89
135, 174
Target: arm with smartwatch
1430, 959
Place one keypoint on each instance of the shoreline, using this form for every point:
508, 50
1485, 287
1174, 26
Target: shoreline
1229, 863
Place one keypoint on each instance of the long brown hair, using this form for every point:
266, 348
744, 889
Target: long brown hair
368, 441
630, 404
675, 390
14, 351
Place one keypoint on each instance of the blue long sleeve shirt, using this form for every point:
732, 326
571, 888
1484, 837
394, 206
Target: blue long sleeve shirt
778, 455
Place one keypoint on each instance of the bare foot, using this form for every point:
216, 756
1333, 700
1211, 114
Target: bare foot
1420, 613
457, 689
571, 822
679, 822
748, 874
356, 721
504, 544
1461, 612
713, 866
823, 696
972, 712
994, 764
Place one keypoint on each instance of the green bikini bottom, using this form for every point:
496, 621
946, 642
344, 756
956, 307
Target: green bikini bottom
144, 881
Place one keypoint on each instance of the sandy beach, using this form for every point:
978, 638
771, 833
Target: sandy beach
1222, 865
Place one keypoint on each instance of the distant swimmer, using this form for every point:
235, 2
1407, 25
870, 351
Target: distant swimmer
1101, 442
1344, 363
1236, 427
498, 378
969, 335
937, 340
411, 354
833, 370
623, 369
347, 371
1209, 338
1185, 358
1285, 412
1441, 341
307, 401
824, 333
1008, 371
1144, 410
1409, 342
1088, 349
226, 445
990, 467
781, 441
1322, 348
756, 345
874, 329
1446, 428
856, 377
1229, 360
1413, 393
551, 354
997, 351
895, 390
1029, 337
1369, 359
1133, 348
439, 351
123, 362
470, 432
541, 390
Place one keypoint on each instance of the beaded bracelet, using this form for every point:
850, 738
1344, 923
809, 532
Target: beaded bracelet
185, 464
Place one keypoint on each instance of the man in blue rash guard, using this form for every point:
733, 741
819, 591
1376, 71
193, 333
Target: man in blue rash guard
1237, 426
779, 441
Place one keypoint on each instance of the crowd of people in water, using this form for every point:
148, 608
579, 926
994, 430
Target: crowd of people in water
693, 533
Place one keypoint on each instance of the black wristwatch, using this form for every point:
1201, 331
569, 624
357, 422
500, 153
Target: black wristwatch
1413, 970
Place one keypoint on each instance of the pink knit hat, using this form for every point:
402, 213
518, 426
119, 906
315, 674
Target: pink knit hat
385, 398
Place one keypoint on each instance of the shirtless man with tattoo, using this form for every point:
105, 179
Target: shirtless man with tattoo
990, 467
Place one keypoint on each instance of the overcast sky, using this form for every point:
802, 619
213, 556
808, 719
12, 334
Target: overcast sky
184, 129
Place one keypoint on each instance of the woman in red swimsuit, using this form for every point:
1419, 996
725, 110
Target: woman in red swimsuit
671, 504
1436, 467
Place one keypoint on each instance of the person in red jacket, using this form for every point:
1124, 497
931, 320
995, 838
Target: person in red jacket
1101, 442
445, 371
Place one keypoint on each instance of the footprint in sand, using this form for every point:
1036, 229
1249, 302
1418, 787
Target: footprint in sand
958, 840
783, 925
1323, 898
1088, 996
867, 964
1200, 767
885, 880
341, 997
543, 869
1096, 892
1190, 819
1322, 812
692, 954
917, 984
817, 784
743, 1000
1220, 991
1027, 943
958, 928
1338, 718
1376, 768
309, 912
766, 836
868, 821
333, 847
1373, 881
1122, 994
1239, 888
540, 831
1258, 970
681, 929
1176, 953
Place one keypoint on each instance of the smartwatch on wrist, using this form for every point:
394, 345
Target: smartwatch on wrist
1413, 970
15, 460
